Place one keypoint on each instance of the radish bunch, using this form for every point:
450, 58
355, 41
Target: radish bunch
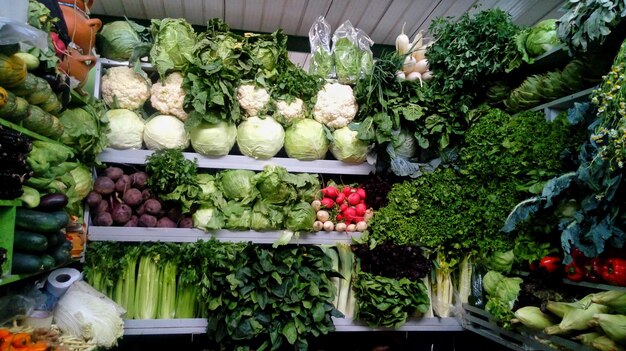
342, 209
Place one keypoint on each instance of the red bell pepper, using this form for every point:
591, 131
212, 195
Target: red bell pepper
574, 272
614, 271
578, 256
550, 263
593, 270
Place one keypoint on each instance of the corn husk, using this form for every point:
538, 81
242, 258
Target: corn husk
612, 298
533, 318
576, 319
560, 308
587, 338
613, 325
603, 343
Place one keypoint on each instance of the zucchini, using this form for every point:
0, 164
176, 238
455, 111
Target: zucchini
27, 86
52, 202
21, 109
29, 242
47, 262
56, 130
52, 104
41, 222
24, 263
38, 120
9, 106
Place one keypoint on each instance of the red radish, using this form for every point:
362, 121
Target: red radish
361, 192
360, 209
349, 213
358, 219
339, 217
328, 202
340, 198
59, 45
343, 207
330, 191
354, 199
346, 190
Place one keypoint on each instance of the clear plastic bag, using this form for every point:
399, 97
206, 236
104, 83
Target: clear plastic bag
20, 305
366, 56
13, 32
321, 58
346, 54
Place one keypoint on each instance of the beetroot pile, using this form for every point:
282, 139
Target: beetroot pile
120, 199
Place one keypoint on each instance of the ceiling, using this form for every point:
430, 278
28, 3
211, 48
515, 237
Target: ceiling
381, 19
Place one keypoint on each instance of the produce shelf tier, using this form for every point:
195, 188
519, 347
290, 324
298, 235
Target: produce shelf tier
138, 157
198, 326
553, 108
480, 322
141, 234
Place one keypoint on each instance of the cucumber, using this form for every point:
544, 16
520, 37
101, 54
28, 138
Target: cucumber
29, 242
41, 222
61, 255
55, 239
24, 263
47, 261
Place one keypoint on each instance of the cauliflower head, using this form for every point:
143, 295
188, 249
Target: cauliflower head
168, 96
252, 99
126, 87
287, 112
336, 105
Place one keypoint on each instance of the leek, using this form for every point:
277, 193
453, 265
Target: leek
346, 261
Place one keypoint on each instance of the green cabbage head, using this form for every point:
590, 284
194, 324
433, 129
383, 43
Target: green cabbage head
347, 147
542, 37
213, 139
260, 138
174, 40
306, 140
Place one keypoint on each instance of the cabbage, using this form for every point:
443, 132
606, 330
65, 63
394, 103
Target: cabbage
125, 129
237, 184
210, 194
405, 145
308, 187
85, 130
491, 280
274, 185
237, 215
347, 147
165, 132
174, 40
207, 218
300, 217
542, 37
306, 140
121, 40
213, 139
260, 138
266, 216
501, 261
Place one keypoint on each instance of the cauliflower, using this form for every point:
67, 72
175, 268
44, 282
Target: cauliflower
125, 87
287, 112
252, 99
168, 96
336, 105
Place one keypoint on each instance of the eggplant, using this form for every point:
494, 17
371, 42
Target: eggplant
52, 202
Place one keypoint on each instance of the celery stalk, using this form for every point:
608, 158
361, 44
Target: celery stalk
147, 291
186, 302
465, 279
167, 304
444, 290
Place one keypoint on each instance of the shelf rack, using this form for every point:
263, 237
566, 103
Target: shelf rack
198, 326
181, 235
138, 157
553, 108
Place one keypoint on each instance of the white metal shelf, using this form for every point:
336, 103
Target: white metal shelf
554, 107
112, 63
138, 157
198, 326
182, 235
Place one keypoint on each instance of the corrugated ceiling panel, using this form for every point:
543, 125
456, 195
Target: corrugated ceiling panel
97, 7
212, 9
235, 13
112, 7
155, 8
298, 58
428, 11
194, 11
253, 15
313, 10
271, 15
531, 15
292, 13
174, 8
365, 16
446, 8
391, 23
557, 13
134, 8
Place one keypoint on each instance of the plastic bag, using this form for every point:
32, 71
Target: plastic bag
346, 54
13, 32
321, 58
366, 56
20, 305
